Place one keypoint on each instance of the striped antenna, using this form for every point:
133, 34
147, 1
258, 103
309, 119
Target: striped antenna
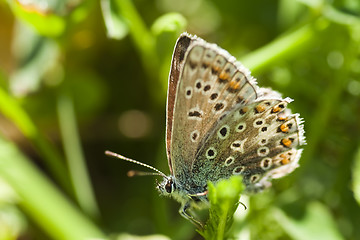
133, 173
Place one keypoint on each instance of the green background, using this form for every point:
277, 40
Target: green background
81, 77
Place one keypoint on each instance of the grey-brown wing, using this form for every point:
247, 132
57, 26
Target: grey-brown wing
177, 64
210, 83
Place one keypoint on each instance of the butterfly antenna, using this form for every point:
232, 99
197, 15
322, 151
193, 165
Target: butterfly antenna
133, 173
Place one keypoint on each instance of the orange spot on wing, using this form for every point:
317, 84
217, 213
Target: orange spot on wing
260, 108
286, 142
284, 128
235, 85
223, 75
285, 159
276, 109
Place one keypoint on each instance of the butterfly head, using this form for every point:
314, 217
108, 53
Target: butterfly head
167, 186
170, 188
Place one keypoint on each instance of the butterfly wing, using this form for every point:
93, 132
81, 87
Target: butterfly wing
177, 64
257, 140
207, 84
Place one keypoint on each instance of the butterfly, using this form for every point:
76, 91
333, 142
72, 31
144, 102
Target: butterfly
220, 123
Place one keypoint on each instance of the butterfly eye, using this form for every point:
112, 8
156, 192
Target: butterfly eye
169, 186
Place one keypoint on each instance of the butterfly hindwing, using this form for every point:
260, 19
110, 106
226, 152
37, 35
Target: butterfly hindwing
256, 140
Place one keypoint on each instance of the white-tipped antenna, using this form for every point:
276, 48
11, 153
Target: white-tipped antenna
133, 173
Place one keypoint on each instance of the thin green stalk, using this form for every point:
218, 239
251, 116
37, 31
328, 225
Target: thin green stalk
339, 17
356, 176
144, 42
11, 109
41, 200
283, 46
74, 155
222, 222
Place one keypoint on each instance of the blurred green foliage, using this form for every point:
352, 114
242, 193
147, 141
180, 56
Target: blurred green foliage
80, 77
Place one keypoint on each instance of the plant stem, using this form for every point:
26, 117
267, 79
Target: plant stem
74, 155
282, 47
222, 222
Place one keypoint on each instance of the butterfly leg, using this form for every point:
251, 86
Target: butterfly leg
243, 204
186, 215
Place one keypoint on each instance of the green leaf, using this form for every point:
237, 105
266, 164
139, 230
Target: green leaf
224, 200
313, 4
10, 108
317, 223
36, 56
12, 220
40, 16
115, 23
170, 22
356, 176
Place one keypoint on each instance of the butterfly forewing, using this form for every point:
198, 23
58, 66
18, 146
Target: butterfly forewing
211, 84
177, 64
